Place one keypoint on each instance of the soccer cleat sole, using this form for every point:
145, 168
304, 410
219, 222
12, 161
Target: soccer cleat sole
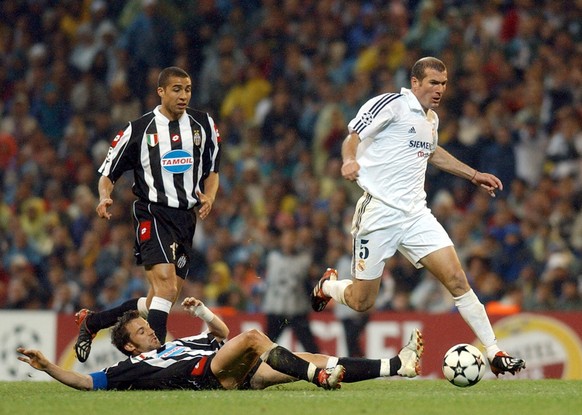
318, 299
85, 337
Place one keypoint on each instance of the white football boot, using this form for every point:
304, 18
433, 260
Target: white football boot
410, 355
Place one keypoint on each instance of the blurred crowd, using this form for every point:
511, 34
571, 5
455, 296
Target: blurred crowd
282, 79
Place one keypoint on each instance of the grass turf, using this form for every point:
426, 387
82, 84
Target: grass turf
406, 397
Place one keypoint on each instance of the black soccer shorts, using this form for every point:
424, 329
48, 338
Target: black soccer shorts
163, 235
202, 377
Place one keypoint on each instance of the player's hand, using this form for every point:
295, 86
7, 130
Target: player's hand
190, 302
205, 205
196, 308
350, 169
488, 182
33, 357
102, 208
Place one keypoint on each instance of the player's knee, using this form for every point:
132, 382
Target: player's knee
362, 296
457, 284
173, 294
164, 285
254, 338
167, 291
362, 304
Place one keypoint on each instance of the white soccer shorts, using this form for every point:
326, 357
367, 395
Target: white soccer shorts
379, 230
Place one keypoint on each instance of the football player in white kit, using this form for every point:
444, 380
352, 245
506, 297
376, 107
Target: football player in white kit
390, 143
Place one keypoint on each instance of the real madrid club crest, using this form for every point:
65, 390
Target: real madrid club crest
197, 138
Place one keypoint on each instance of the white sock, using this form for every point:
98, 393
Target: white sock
311, 371
474, 314
384, 367
142, 307
159, 303
332, 362
492, 350
336, 289
265, 355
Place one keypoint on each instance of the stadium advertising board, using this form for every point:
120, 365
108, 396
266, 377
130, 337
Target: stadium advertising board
551, 343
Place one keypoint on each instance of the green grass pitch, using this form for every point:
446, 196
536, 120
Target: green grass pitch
392, 397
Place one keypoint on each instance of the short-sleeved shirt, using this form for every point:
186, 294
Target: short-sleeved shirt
179, 364
397, 138
170, 159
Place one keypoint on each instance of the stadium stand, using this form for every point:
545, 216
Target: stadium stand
282, 79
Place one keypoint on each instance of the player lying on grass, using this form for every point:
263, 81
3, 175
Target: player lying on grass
249, 360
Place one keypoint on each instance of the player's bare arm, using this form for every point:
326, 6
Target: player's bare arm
105, 189
207, 198
37, 360
447, 162
216, 326
350, 166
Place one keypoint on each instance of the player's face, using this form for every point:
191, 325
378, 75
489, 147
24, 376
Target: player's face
141, 337
430, 90
175, 97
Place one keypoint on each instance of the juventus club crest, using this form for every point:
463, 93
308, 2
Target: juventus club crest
197, 138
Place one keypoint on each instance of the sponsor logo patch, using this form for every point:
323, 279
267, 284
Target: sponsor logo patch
177, 161
199, 368
145, 230
217, 133
116, 139
172, 351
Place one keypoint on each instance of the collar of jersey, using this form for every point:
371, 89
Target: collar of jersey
412, 101
153, 353
158, 113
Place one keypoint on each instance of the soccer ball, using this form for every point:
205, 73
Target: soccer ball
463, 365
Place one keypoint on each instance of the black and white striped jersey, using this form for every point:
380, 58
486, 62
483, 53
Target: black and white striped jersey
170, 159
172, 366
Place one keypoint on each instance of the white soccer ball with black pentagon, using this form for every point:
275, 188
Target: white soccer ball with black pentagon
463, 365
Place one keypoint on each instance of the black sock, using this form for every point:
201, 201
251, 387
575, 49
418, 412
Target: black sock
108, 318
158, 320
395, 365
358, 369
286, 362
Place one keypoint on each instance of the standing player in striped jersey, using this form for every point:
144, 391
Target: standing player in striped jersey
205, 361
390, 143
174, 153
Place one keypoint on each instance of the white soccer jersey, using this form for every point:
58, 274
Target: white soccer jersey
397, 139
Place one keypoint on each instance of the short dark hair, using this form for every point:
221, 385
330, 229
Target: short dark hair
418, 70
167, 73
119, 333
